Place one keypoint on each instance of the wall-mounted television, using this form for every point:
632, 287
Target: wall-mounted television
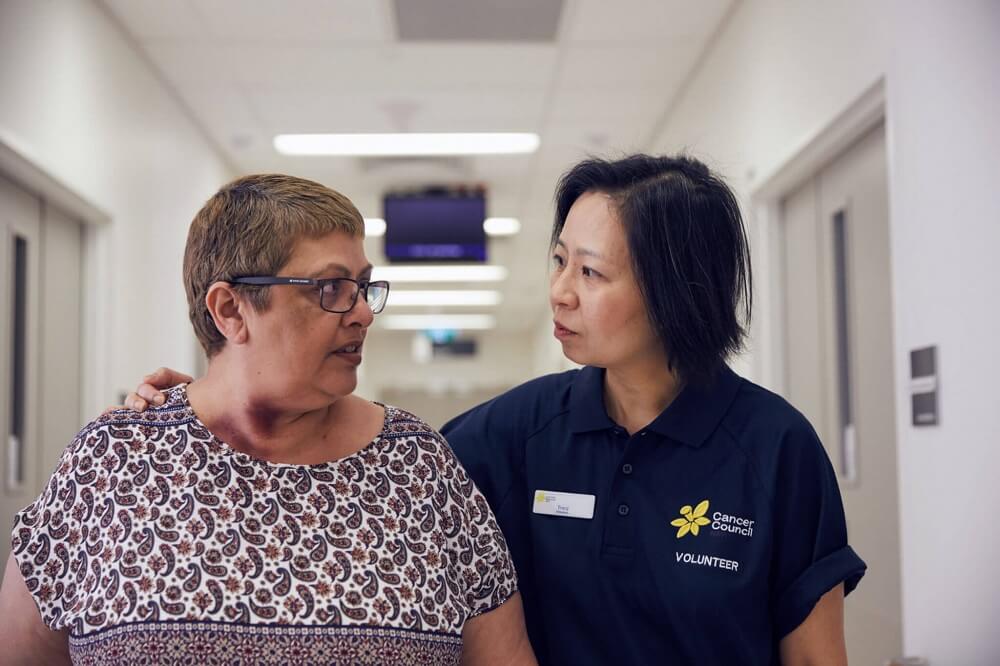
435, 224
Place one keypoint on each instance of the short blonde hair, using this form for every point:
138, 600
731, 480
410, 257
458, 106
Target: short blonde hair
250, 227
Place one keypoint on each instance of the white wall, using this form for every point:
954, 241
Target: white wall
944, 115
503, 360
82, 104
779, 73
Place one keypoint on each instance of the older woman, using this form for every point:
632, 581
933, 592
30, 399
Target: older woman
264, 514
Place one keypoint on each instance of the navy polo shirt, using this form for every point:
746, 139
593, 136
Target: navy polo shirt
714, 530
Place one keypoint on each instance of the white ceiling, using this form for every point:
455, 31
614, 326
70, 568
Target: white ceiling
250, 69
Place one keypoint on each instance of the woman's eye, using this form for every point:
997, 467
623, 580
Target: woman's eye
589, 272
557, 261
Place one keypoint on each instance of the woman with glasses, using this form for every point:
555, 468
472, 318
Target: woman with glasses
263, 513
659, 508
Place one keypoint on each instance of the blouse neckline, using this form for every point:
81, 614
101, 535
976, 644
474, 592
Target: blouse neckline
180, 391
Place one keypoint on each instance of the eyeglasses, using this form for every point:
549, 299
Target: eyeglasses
337, 295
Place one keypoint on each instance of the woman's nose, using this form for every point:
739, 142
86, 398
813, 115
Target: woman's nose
561, 290
361, 313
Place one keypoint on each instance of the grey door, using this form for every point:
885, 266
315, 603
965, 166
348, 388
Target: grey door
839, 366
20, 217
40, 321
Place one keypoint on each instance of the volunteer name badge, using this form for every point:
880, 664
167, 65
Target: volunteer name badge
567, 505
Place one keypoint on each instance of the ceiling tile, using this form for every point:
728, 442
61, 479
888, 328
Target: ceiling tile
156, 19
596, 67
644, 21
384, 111
607, 107
296, 21
410, 68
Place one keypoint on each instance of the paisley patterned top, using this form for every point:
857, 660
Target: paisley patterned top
155, 542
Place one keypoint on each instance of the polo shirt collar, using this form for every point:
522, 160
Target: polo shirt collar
695, 414
690, 419
586, 408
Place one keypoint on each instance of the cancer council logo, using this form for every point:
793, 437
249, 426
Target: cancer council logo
693, 519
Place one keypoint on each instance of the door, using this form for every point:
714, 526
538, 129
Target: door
20, 222
839, 365
40, 337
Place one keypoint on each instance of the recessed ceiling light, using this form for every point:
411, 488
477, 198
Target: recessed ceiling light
440, 273
375, 226
405, 297
431, 322
454, 143
501, 226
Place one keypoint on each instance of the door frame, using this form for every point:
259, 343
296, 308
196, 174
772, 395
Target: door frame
18, 164
867, 111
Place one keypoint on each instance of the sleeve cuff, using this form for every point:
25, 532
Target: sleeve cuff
797, 601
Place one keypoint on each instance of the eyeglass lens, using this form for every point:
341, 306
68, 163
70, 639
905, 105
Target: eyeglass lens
340, 295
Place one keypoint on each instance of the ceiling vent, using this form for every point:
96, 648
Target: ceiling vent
468, 21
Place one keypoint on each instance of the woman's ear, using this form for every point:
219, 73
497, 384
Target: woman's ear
227, 309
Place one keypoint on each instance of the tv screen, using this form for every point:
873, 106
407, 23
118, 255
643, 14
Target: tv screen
435, 226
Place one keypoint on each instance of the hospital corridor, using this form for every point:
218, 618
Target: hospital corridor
472, 175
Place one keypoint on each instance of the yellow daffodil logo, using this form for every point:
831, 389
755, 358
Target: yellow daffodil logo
693, 519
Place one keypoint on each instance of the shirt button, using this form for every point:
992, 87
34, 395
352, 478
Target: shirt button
643, 433
627, 468
623, 509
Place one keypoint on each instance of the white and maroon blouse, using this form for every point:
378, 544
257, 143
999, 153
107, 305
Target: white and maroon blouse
155, 542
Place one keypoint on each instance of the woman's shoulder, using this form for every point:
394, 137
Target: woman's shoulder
519, 410
420, 438
756, 403
766, 424
400, 422
175, 406
131, 427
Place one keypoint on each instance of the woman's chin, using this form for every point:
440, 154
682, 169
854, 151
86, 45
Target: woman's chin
574, 355
340, 386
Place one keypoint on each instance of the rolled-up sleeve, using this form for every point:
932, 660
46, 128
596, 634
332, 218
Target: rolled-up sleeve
811, 550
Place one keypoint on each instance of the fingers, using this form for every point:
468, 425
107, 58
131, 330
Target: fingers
165, 378
148, 392
137, 403
133, 402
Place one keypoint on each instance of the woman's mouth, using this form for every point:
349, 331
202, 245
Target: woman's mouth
561, 332
350, 353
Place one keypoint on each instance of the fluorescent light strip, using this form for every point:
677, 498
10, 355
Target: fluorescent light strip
374, 227
501, 226
456, 143
443, 297
440, 273
435, 322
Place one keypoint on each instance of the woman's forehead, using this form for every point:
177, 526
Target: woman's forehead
337, 252
593, 228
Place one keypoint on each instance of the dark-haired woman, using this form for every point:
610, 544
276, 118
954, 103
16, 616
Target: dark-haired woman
658, 507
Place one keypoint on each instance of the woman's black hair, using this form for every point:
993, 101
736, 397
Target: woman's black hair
689, 252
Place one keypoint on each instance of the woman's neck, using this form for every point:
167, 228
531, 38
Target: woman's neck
264, 426
635, 395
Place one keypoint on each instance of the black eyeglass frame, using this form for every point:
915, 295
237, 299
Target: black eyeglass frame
361, 285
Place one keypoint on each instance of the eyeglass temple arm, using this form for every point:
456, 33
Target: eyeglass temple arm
274, 280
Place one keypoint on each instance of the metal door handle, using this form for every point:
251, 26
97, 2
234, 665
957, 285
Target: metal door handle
13, 462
